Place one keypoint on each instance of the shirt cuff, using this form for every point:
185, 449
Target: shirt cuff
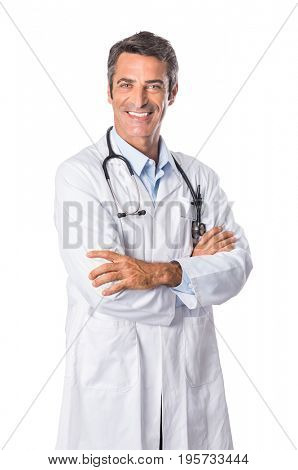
184, 290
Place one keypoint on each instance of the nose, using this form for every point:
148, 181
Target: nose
139, 96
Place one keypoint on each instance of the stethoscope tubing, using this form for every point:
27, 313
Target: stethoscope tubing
197, 200
130, 169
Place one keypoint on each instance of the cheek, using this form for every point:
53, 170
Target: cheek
118, 110
162, 109
161, 105
118, 101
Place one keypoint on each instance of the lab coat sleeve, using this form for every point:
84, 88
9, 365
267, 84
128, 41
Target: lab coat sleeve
185, 292
216, 278
83, 223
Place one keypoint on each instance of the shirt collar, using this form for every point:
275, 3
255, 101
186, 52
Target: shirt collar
139, 160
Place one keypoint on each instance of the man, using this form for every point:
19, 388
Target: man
142, 364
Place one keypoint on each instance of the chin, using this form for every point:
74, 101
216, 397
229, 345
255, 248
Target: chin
138, 131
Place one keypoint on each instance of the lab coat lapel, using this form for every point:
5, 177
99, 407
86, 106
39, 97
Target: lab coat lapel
169, 183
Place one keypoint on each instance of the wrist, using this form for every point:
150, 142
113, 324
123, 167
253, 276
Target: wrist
173, 274
169, 274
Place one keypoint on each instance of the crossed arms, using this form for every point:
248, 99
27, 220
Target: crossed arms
218, 267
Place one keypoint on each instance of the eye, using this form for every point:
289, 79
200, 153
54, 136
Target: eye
125, 85
154, 86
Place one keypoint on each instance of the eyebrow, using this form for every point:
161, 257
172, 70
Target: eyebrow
129, 80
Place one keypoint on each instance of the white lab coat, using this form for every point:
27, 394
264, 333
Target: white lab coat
124, 350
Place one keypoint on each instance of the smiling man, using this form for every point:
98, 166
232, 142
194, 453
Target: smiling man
142, 363
139, 103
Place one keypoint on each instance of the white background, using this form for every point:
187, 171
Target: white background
253, 149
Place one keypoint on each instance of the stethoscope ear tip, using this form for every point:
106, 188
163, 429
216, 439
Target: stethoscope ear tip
123, 214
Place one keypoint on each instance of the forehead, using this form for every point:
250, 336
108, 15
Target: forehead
140, 66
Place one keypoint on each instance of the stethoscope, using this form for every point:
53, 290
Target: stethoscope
198, 227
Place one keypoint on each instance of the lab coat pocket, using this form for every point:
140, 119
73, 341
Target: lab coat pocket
185, 237
187, 209
108, 354
202, 364
181, 228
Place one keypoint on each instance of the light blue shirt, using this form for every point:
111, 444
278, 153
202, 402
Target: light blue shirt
144, 167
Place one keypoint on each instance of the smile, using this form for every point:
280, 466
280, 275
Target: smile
139, 116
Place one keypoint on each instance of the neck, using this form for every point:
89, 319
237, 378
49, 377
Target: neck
148, 145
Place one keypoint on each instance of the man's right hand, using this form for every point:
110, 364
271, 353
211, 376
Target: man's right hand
214, 241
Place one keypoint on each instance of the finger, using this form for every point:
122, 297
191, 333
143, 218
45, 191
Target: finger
106, 254
115, 288
227, 248
104, 278
211, 233
104, 268
223, 236
226, 242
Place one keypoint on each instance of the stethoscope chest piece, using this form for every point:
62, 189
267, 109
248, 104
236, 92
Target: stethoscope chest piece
198, 230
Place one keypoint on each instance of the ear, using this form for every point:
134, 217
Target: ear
110, 99
173, 94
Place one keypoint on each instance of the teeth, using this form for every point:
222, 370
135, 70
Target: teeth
138, 114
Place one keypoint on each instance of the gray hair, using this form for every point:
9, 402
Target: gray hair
148, 44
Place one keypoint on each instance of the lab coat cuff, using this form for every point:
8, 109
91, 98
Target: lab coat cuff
185, 284
184, 290
189, 266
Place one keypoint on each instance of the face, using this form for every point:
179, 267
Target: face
140, 95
